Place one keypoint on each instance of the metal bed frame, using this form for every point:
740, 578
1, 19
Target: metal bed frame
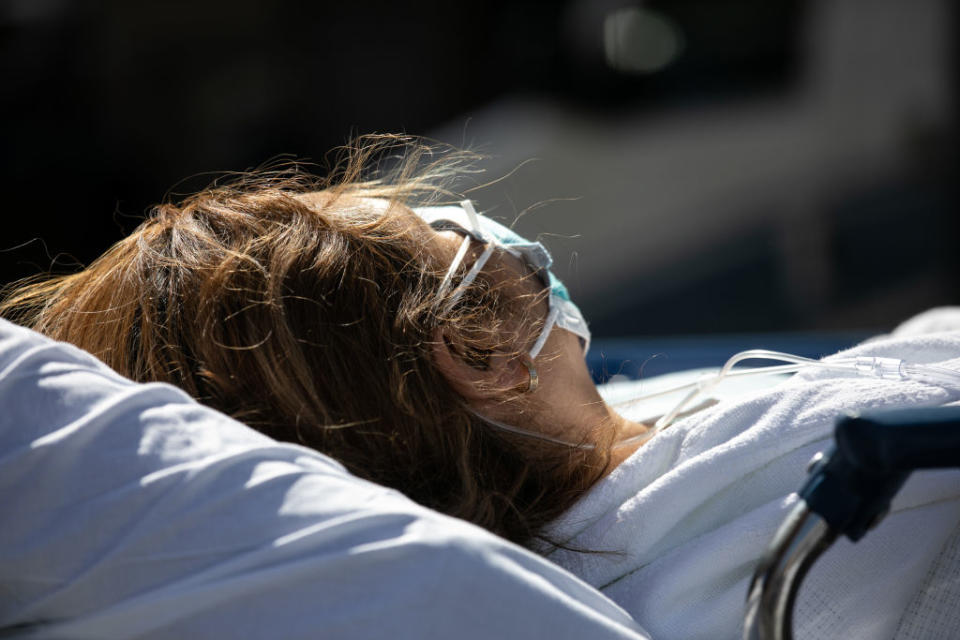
847, 493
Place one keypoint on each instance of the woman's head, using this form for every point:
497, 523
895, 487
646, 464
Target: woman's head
313, 311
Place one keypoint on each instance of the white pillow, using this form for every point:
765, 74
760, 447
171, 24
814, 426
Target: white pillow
129, 510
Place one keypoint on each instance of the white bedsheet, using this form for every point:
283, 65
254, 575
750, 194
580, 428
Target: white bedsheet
685, 518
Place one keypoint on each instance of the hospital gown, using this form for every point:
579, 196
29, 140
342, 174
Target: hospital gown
676, 530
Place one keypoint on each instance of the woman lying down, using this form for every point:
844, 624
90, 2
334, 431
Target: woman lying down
430, 350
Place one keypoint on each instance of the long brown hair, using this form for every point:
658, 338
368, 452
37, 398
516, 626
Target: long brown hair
279, 299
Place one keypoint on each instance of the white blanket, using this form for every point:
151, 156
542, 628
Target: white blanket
679, 526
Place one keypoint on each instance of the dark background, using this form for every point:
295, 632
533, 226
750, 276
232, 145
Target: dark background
705, 165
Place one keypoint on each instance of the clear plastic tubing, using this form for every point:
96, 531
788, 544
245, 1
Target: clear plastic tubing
867, 366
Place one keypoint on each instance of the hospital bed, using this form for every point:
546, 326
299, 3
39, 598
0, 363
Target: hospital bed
361, 546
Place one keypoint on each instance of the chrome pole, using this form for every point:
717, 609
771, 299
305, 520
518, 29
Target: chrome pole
798, 543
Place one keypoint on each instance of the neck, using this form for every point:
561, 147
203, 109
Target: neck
591, 420
626, 430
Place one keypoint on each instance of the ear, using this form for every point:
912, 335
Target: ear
475, 384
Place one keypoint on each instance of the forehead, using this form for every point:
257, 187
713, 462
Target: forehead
355, 205
443, 245
501, 268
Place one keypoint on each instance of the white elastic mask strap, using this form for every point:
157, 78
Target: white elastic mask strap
545, 332
457, 259
470, 277
477, 265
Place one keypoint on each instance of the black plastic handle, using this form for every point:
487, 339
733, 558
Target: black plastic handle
902, 440
851, 488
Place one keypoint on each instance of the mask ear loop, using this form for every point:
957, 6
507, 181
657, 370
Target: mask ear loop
481, 261
448, 276
545, 332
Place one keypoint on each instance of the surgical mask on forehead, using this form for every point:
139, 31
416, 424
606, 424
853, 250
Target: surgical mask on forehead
563, 312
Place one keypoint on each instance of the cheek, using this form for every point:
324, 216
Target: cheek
561, 363
565, 343
529, 313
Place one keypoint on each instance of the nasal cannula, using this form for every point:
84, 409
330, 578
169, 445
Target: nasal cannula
867, 366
